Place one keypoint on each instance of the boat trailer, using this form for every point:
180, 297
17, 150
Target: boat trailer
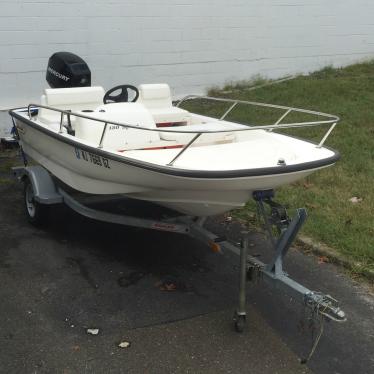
41, 190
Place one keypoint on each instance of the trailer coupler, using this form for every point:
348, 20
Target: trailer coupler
326, 306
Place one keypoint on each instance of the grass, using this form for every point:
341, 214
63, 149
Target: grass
347, 92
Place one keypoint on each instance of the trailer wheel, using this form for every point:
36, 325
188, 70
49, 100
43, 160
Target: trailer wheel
35, 212
239, 322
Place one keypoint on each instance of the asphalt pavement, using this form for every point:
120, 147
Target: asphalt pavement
166, 295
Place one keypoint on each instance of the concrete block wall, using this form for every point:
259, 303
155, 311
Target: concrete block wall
191, 44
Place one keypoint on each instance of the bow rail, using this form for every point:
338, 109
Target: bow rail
328, 119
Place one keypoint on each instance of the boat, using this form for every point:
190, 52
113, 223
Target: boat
136, 142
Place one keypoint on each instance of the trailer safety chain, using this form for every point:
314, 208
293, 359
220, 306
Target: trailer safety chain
323, 307
313, 318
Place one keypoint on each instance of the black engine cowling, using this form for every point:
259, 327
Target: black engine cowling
66, 69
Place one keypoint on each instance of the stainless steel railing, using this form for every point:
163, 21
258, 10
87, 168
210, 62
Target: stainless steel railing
331, 120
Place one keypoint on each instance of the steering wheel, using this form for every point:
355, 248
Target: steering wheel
122, 96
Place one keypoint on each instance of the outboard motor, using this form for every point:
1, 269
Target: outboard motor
66, 69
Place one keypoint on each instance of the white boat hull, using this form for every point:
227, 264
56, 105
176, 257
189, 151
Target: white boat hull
93, 171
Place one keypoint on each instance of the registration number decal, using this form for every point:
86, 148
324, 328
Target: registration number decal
92, 158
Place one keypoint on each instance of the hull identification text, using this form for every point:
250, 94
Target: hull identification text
92, 158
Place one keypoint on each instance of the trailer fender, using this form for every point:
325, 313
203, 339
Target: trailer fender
45, 191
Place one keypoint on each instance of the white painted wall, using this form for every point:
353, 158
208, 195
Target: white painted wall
191, 44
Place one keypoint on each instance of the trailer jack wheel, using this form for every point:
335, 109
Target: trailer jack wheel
35, 212
239, 322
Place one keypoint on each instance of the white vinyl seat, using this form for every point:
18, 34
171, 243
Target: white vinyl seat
157, 99
74, 99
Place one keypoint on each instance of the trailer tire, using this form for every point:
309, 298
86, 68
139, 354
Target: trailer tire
35, 212
239, 322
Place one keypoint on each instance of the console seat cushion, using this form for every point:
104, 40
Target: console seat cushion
170, 115
74, 99
157, 99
